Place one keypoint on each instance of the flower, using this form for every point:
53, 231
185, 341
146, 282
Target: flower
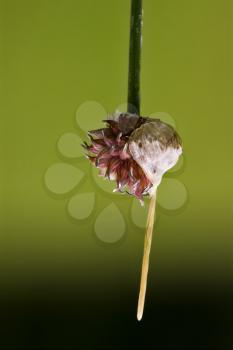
110, 154
135, 151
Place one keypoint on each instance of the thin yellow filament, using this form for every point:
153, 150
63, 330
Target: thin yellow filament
146, 255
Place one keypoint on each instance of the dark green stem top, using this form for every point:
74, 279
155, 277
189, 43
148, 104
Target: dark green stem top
134, 57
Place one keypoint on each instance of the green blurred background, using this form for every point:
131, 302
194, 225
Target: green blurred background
55, 55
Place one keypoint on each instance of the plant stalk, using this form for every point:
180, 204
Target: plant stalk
135, 57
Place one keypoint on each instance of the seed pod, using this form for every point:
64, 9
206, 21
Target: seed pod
156, 147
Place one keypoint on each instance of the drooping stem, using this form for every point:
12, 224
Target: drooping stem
135, 57
146, 255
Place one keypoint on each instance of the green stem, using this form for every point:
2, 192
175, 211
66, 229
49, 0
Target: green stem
134, 57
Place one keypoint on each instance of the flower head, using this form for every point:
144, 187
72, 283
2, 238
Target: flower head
134, 151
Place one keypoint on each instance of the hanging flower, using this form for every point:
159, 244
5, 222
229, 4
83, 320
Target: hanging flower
134, 151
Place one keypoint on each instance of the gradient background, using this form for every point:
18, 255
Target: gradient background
59, 287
